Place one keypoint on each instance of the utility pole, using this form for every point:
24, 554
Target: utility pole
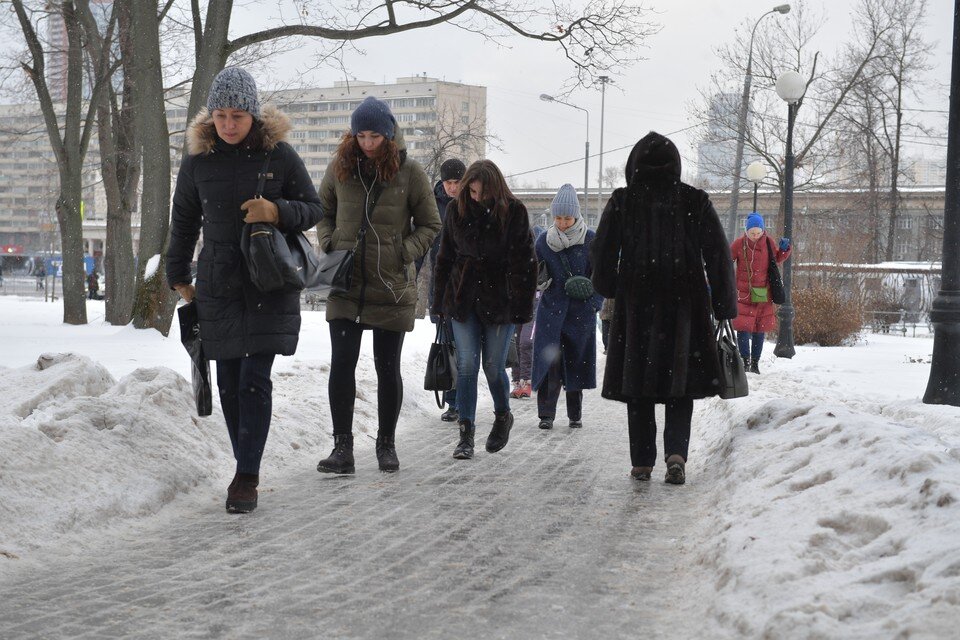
603, 102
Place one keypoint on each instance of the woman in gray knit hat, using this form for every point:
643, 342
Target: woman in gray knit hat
230, 143
565, 329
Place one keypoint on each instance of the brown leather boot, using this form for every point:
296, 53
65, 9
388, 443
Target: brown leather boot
242, 496
675, 470
641, 473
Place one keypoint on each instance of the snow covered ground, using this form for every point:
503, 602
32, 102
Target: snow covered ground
829, 495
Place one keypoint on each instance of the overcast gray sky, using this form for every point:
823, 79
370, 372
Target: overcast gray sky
654, 94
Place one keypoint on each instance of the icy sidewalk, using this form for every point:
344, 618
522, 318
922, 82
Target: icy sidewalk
548, 538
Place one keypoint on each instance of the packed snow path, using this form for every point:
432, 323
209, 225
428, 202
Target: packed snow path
549, 538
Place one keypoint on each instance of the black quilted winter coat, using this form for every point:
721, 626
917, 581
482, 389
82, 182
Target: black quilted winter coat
236, 319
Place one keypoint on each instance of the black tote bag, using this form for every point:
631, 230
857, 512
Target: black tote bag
441, 372
777, 293
732, 376
200, 374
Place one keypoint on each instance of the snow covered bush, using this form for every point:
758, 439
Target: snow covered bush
825, 317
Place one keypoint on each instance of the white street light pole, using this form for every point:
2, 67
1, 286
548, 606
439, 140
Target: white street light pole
756, 172
603, 98
742, 124
586, 150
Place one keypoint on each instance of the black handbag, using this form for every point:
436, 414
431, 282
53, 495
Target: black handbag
732, 375
336, 266
777, 292
576, 287
200, 369
278, 261
441, 372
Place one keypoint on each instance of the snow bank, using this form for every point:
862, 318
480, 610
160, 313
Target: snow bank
828, 522
79, 450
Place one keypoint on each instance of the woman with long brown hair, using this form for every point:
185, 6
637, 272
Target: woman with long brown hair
486, 276
371, 193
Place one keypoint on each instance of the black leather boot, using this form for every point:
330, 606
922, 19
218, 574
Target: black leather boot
754, 366
464, 450
500, 432
341, 458
242, 493
387, 454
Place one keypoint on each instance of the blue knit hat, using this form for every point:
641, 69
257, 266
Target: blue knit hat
373, 115
234, 88
754, 220
566, 202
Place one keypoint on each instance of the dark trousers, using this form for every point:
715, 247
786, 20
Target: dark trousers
643, 430
744, 338
605, 333
524, 335
246, 396
549, 394
345, 337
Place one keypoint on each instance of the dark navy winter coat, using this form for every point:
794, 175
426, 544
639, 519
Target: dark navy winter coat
236, 319
564, 322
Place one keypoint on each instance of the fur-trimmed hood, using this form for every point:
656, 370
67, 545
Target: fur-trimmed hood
202, 134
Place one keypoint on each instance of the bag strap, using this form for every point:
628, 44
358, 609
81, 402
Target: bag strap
566, 264
262, 176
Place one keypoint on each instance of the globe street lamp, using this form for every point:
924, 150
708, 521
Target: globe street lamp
790, 87
943, 387
586, 149
742, 123
756, 172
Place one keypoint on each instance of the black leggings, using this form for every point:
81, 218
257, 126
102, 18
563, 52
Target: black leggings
643, 430
345, 337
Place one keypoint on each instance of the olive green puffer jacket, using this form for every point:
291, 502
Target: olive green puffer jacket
384, 291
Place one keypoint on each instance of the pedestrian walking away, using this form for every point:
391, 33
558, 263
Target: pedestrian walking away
485, 281
445, 191
756, 313
378, 202
93, 286
565, 340
659, 246
242, 328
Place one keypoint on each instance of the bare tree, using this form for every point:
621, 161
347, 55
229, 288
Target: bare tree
119, 159
786, 45
598, 40
70, 137
451, 137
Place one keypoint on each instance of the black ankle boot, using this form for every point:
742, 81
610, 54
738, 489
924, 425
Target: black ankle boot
387, 454
464, 450
341, 458
500, 432
754, 366
242, 493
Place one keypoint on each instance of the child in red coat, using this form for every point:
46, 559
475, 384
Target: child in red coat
756, 313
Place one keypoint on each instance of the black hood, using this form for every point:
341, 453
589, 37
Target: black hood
653, 155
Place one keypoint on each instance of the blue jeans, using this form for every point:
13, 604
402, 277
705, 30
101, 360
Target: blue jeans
246, 396
743, 341
492, 341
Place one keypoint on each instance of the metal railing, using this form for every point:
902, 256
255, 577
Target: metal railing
902, 322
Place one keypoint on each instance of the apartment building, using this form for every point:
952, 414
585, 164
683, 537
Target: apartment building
439, 119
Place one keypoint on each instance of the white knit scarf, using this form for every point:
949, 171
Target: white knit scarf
560, 240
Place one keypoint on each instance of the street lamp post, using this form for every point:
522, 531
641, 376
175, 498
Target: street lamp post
742, 124
756, 172
943, 387
603, 103
586, 150
790, 87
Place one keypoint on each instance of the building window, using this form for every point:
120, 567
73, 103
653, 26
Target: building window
465, 119
905, 222
465, 106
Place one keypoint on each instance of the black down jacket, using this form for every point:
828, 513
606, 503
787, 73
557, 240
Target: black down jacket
236, 319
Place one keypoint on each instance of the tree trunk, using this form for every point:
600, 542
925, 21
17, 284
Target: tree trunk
71, 241
154, 302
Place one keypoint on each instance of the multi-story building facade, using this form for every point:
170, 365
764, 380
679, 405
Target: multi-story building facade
717, 151
439, 120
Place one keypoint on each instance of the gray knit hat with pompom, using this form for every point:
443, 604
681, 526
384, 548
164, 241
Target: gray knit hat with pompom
234, 88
